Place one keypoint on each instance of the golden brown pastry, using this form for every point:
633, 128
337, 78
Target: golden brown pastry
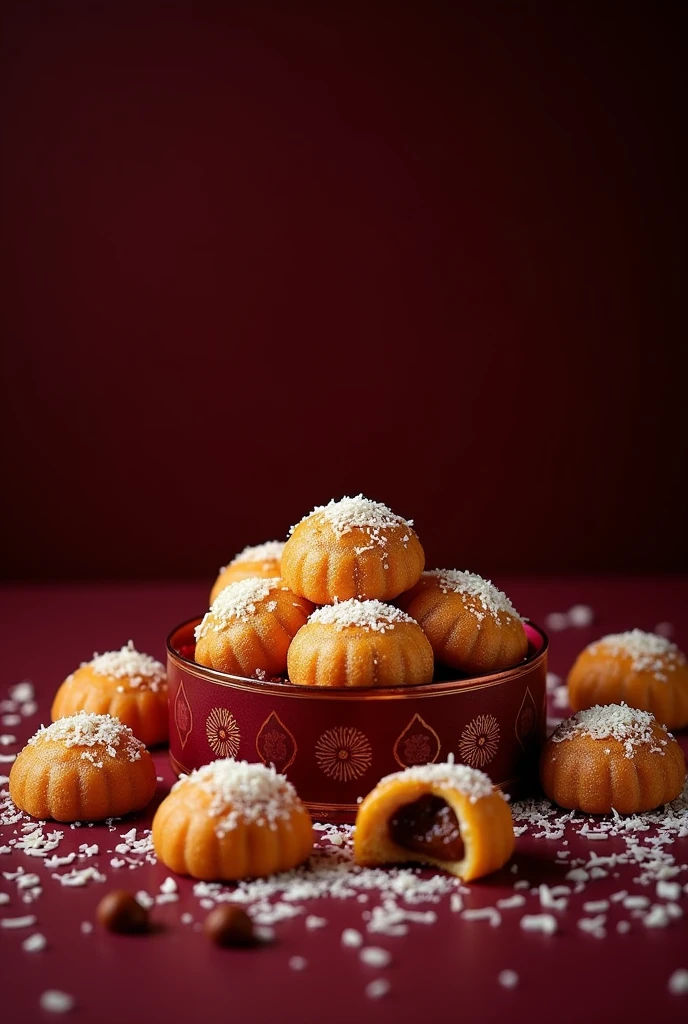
612, 758
84, 768
249, 627
126, 684
643, 670
447, 815
232, 820
360, 643
352, 548
471, 625
260, 562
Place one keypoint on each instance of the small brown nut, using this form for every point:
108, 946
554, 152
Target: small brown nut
229, 926
119, 911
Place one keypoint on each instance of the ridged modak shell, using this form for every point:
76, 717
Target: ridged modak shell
360, 643
126, 684
643, 670
230, 820
471, 625
249, 628
263, 561
447, 815
612, 757
353, 548
83, 768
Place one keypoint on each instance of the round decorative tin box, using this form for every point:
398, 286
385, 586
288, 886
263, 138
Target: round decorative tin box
335, 745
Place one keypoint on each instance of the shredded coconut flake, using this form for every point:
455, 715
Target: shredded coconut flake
240, 601
271, 551
372, 518
139, 670
368, 615
480, 596
629, 726
88, 730
470, 781
240, 790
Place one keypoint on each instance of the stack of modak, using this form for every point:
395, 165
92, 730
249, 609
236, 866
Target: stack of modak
345, 603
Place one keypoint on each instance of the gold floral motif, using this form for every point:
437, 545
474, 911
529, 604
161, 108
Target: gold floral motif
343, 753
223, 733
417, 744
479, 741
183, 717
275, 743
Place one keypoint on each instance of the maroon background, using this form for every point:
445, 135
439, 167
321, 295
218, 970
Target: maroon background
261, 257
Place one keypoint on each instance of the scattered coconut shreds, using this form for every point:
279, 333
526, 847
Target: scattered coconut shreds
352, 938
546, 924
239, 602
372, 518
77, 878
138, 670
480, 596
377, 989
266, 554
678, 982
102, 732
508, 979
35, 943
484, 914
367, 615
298, 963
647, 652
55, 1001
375, 956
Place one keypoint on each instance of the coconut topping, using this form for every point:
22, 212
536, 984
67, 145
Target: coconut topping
240, 601
271, 551
359, 513
483, 597
243, 791
368, 615
631, 727
472, 783
140, 671
88, 730
648, 651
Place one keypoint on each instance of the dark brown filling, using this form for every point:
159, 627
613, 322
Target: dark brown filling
428, 826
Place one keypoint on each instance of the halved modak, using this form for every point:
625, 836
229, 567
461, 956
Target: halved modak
83, 768
612, 758
643, 670
360, 643
126, 684
471, 625
354, 547
249, 628
447, 815
263, 561
232, 820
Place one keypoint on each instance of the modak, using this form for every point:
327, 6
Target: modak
260, 562
447, 815
126, 684
83, 768
471, 625
230, 820
612, 758
360, 643
249, 628
353, 548
643, 670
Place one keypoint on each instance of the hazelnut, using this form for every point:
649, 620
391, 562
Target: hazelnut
226, 925
119, 911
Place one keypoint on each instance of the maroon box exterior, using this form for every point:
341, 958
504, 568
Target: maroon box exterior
335, 745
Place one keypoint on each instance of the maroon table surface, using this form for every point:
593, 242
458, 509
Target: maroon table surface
448, 969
